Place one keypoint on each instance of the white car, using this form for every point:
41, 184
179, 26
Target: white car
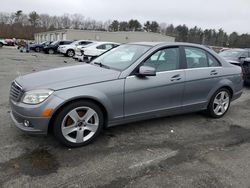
91, 51
69, 50
2, 42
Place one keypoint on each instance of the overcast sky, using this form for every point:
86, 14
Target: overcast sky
231, 15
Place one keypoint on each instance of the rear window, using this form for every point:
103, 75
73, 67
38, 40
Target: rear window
198, 58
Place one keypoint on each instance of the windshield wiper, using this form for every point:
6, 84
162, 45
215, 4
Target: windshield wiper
102, 65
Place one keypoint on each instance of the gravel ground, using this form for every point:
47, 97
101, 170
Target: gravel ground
188, 150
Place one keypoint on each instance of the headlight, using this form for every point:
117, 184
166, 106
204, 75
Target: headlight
36, 96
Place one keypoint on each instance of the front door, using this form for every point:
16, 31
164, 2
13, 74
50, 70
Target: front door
156, 93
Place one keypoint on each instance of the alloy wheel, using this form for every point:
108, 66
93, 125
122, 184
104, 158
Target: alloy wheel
51, 51
80, 124
70, 53
221, 103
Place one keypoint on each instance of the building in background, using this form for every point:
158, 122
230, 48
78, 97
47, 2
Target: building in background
120, 37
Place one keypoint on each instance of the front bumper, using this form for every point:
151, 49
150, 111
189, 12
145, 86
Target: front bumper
37, 125
63, 50
78, 57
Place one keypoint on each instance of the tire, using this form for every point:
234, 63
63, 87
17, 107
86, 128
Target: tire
219, 103
69, 130
247, 83
1, 45
51, 51
37, 49
70, 53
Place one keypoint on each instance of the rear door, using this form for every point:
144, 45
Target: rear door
202, 73
156, 93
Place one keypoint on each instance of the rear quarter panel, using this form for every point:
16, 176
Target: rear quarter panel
230, 77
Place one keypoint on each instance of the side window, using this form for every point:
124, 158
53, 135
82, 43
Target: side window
212, 62
164, 60
84, 43
195, 57
101, 47
108, 46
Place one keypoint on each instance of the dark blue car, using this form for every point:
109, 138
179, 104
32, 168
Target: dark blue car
39, 47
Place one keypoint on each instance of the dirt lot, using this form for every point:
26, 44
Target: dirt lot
181, 151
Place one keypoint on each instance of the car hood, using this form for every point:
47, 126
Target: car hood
36, 45
66, 77
51, 46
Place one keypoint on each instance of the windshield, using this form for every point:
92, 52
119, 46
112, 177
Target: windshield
122, 57
231, 53
43, 43
54, 43
75, 42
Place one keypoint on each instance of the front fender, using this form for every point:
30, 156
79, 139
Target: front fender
109, 94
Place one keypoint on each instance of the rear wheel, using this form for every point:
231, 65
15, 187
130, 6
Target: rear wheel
78, 124
1, 45
219, 103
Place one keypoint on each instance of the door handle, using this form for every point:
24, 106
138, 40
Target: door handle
213, 72
176, 77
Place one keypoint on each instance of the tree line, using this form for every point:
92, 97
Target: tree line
23, 26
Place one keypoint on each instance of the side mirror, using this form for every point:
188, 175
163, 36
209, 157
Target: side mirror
147, 71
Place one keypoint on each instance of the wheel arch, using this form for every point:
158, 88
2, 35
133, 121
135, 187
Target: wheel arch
69, 50
103, 108
229, 89
226, 86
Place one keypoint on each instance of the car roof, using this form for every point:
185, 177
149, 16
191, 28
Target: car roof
105, 42
152, 44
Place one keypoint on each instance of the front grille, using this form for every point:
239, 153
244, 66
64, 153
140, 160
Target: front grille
16, 91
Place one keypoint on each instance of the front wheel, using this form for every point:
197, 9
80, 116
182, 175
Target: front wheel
70, 53
51, 51
78, 124
219, 103
37, 49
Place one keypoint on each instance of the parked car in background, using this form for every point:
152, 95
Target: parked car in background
39, 47
223, 49
246, 71
238, 57
52, 48
235, 56
132, 82
90, 52
10, 42
69, 50
2, 43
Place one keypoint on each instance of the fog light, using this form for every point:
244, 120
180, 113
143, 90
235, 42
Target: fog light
26, 123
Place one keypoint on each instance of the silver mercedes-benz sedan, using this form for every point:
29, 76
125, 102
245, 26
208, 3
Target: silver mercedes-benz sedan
132, 82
